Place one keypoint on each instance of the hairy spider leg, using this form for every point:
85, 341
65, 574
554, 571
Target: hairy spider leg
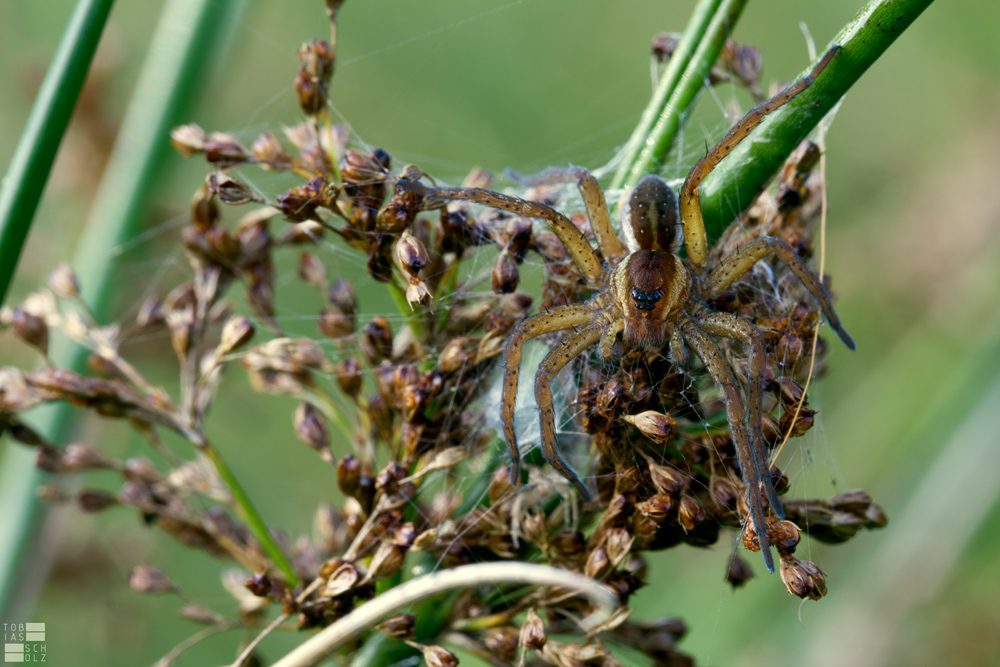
593, 200
748, 254
695, 238
731, 326
571, 345
557, 319
723, 377
576, 243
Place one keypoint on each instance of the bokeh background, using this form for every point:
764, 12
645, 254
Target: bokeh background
913, 248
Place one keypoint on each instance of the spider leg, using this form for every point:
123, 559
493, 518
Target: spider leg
723, 376
570, 346
556, 319
576, 243
748, 254
695, 238
731, 326
593, 199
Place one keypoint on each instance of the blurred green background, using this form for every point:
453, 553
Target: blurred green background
913, 248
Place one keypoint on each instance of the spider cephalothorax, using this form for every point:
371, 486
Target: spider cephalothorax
647, 296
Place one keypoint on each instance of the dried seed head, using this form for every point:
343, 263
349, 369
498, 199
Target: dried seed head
349, 475
143, 470
436, 656
95, 500
598, 563
315, 70
271, 154
533, 633
236, 333
31, 329
503, 641
333, 323
417, 293
386, 561
655, 425
724, 492
311, 270
82, 456
229, 190
310, 428
667, 480
664, 45
738, 572
148, 579
342, 580
690, 512
62, 281
224, 150
349, 378
259, 584
505, 274
188, 139
499, 484
747, 63
341, 294
300, 203
376, 339
802, 578
618, 543
411, 253
400, 626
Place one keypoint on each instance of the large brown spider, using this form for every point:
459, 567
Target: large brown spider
649, 296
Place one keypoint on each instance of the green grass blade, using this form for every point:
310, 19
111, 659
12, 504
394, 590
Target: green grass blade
742, 175
661, 138
690, 39
29, 169
186, 36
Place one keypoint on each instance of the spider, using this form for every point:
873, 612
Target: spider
648, 296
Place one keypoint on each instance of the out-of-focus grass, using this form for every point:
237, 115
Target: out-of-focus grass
913, 247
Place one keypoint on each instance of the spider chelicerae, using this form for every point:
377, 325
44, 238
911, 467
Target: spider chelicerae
648, 296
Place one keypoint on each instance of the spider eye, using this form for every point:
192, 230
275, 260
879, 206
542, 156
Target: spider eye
646, 300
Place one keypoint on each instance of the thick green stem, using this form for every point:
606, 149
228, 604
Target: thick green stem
29, 169
692, 37
185, 39
741, 176
661, 137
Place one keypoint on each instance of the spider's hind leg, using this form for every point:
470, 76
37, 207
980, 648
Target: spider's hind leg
723, 377
731, 326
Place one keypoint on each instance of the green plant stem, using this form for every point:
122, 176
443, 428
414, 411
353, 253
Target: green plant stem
29, 169
186, 38
742, 175
250, 514
693, 33
660, 140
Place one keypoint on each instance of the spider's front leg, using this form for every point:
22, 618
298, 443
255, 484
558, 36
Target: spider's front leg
723, 377
576, 243
557, 319
569, 347
695, 238
748, 254
593, 199
731, 326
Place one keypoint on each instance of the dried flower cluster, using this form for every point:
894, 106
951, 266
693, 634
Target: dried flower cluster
423, 480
